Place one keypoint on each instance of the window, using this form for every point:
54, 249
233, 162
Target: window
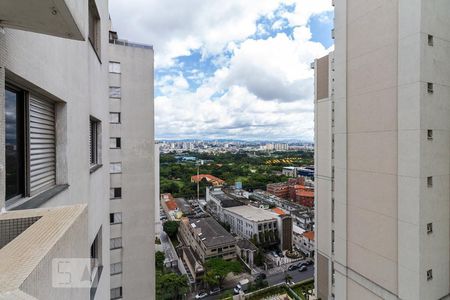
430, 40
114, 67
14, 144
430, 134
429, 228
116, 268
94, 27
115, 143
115, 243
114, 92
114, 118
30, 149
115, 168
116, 293
115, 193
115, 218
430, 88
429, 181
94, 138
430, 274
96, 250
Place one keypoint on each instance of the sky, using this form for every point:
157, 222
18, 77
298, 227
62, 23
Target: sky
233, 69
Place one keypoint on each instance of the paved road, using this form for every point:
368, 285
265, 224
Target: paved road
273, 279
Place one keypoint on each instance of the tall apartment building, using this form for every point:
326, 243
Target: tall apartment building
132, 156
55, 158
382, 152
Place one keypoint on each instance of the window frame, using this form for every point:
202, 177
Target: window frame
117, 141
94, 141
119, 117
115, 163
114, 218
120, 295
113, 243
94, 28
22, 179
111, 67
114, 193
113, 266
28, 116
116, 89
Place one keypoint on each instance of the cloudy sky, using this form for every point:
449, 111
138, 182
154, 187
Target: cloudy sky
230, 68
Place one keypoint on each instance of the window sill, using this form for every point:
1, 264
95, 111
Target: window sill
37, 200
95, 168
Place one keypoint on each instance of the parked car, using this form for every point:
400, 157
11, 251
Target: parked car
201, 295
303, 268
260, 276
293, 267
309, 262
214, 291
274, 254
241, 286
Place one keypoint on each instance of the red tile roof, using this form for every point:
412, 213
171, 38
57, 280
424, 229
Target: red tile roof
208, 177
309, 235
278, 211
171, 205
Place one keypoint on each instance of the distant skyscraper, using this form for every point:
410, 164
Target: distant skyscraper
382, 140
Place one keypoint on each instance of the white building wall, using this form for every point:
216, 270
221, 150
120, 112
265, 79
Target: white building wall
382, 154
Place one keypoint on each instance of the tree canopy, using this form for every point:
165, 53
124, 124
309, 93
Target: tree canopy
218, 268
170, 285
159, 260
171, 228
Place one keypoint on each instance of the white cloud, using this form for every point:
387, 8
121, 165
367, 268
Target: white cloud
264, 90
277, 68
305, 9
175, 27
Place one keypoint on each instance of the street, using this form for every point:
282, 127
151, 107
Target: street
273, 279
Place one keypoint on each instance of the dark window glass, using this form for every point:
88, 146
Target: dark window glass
14, 144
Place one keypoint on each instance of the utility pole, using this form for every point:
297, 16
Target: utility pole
198, 182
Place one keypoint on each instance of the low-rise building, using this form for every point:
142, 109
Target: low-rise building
217, 200
306, 243
263, 227
280, 189
207, 238
246, 251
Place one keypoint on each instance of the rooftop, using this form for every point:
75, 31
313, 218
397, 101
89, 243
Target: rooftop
207, 177
171, 205
309, 235
246, 244
252, 213
210, 232
278, 211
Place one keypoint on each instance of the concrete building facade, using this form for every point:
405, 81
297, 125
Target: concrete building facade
132, 168
54, 137
382, 152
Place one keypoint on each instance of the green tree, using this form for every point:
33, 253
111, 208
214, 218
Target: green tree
170, 285
287, 277
159, 260
171, 228
259, 257
220, 268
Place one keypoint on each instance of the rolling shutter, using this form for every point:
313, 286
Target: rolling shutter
42, 165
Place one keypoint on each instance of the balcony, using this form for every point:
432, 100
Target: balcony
51, 17
33, 242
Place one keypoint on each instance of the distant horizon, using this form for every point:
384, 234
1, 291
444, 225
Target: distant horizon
284, 141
